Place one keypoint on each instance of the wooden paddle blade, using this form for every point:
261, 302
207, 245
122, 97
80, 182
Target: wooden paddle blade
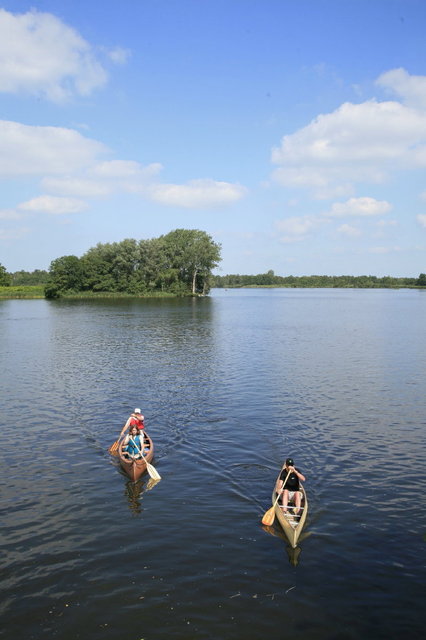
153, 471
269, 517
151, 484
113, 450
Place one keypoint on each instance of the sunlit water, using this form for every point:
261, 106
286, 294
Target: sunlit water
230, 385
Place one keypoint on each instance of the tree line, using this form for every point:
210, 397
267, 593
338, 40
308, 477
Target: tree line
270, 279
146, 266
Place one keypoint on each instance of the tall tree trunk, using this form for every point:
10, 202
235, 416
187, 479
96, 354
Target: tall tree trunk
194, 277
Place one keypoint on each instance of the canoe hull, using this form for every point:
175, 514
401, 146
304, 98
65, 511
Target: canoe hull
291, 526
136, 468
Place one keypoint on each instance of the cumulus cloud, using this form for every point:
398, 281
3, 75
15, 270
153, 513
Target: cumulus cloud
119, 55
421, 219
80, 187
384, 250
10, 214
68, 165
125, 169
53, 205
360, 207
202, 193
296, 228
411, 89
349, 231
102, 179
386, 223
40, 55
355, 143
29, 150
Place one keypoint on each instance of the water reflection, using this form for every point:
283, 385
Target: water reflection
134, 492
293, 554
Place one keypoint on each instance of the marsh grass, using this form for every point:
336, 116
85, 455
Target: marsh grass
37, 291
22, 291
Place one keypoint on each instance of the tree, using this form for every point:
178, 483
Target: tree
66, 273
194, 254
4, 277
421, 280
29, 278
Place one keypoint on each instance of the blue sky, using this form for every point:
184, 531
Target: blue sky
292, 131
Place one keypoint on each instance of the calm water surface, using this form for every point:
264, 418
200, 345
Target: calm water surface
230, 385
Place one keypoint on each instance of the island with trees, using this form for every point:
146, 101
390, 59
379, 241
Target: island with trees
179, 263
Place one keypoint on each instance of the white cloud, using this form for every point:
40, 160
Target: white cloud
360, 207
29, 150
355, 143
125, 169
67, 163
349, 230
386, 223
41, 55
10, 214
421, 219
119, 55
296, 228
384, 250
105, 178
53, 205
412, 89
80, 187
202, 193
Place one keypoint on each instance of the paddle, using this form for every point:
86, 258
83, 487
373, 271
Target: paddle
149, 467
113, 450
269, 515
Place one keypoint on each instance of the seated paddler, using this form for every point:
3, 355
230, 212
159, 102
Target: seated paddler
133, 444
288, 486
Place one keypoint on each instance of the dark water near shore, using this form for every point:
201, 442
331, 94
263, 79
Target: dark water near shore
230, 385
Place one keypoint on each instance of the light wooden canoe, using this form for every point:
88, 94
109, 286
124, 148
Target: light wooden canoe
291, 525
135, 468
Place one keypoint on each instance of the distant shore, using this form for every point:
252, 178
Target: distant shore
311, 286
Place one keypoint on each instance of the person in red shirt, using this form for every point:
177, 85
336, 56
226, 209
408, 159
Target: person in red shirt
137, 419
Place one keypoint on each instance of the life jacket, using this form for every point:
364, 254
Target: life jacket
136, 422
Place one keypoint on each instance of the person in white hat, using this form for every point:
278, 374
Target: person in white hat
136, 419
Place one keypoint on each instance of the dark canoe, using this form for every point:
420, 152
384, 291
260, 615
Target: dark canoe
135, 468
292, 525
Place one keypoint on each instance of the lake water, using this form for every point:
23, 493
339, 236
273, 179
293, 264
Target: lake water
230, 385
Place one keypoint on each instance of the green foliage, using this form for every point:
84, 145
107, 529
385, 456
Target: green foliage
193, 254
270, 279
179, 263
66, 274
29, 278
51, 292
5, 278
421, 280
